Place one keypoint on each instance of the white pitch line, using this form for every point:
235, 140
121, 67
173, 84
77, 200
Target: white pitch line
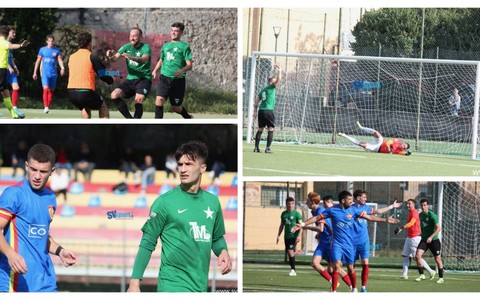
283, 171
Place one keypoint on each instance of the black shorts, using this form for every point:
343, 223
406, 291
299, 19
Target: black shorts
172, 89
266, 118
85, 99
4, 79
435, 247
136, 86
290, 244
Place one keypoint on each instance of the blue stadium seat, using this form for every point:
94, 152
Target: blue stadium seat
213, 190
67, 211
76, 188
165, 188
94, 201
234, 181
141, 202
232, 204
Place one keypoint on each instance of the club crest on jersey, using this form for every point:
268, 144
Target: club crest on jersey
349, 216
152, 216
51, 211
200, 233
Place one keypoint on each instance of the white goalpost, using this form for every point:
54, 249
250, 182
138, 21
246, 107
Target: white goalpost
322, 95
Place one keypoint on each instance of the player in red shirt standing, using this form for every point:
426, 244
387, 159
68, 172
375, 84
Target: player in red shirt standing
412, 240
392, 146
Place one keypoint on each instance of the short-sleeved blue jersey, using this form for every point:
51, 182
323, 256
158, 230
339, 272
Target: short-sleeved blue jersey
326, 235
49, 61
360, 227
29, 213
343, 220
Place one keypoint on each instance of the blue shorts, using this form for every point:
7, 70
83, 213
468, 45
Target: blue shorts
362, 250
343, 253
12, 78
51, 82
323, 250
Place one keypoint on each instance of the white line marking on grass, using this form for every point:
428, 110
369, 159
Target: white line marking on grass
320, 153
416, 161
284, 171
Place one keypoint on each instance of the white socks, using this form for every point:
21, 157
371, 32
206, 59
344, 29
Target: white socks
366, 129
405, 263
351, 139
426, 266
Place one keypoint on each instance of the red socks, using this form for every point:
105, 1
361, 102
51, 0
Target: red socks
47, 97
365, 270
14, 97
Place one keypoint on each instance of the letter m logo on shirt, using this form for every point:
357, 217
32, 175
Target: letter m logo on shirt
170, 56
199, 233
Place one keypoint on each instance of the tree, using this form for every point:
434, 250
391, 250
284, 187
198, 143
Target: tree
32, 24
399, 32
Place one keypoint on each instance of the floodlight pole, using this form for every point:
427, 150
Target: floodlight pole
276, 33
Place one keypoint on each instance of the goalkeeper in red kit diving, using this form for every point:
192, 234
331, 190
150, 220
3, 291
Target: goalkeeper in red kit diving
379, 144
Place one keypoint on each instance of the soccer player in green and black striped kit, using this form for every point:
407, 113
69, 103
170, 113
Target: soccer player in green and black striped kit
189, 222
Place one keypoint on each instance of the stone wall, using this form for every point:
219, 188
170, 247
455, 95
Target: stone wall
211, 33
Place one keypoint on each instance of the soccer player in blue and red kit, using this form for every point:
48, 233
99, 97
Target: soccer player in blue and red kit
324, 229
360, 228
343, 216
47, 57
26, 211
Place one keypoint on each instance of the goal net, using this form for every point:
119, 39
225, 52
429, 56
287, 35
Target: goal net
322, 95
459, 215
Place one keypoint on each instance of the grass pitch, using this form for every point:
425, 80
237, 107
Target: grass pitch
263, 275
309, 160
38, 114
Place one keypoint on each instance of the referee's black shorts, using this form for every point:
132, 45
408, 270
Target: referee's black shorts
85, 98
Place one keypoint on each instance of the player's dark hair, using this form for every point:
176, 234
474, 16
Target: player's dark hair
11, 27
179, 25
327, 197
358, 192
84, 39
41, 153
343, 195
194, 150
137, 28
50, 36
4, 30
289, 199
413, 201
408, 145
423, 201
